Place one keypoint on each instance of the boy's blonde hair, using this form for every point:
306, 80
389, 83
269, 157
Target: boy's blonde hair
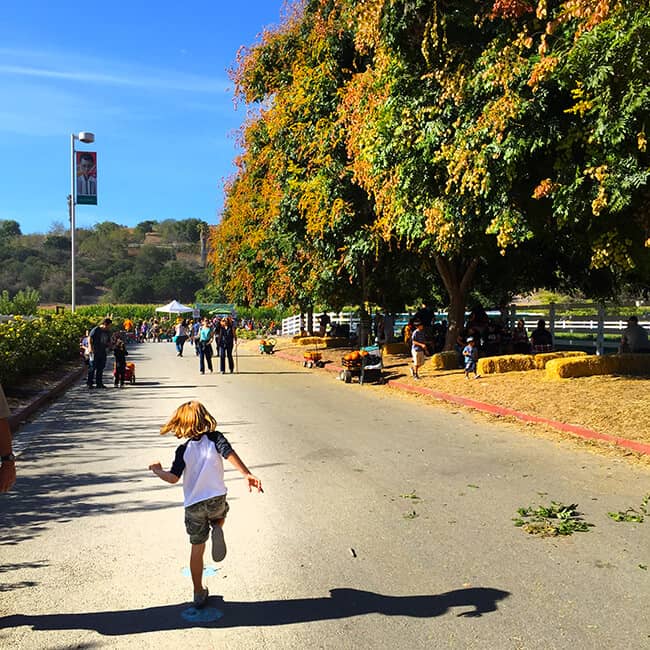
189, 420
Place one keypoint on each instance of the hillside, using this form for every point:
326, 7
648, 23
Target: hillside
144, 264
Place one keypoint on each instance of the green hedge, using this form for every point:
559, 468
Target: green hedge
120, 312
30, 346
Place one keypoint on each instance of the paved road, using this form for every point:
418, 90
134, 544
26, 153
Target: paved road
93, 547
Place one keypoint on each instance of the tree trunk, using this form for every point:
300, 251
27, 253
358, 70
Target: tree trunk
457, 276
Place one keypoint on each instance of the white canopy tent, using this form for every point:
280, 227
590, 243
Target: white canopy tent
174, 307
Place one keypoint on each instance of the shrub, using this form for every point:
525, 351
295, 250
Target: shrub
30, 346
24, 302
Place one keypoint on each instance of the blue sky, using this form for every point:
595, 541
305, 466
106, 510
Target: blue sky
148, 78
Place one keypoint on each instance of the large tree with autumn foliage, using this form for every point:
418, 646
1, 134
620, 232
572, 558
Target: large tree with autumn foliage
485, 136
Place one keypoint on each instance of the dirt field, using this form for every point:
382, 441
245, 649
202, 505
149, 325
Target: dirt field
617, 406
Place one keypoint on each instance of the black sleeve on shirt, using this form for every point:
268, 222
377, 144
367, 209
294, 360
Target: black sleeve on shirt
220, 442
179, 462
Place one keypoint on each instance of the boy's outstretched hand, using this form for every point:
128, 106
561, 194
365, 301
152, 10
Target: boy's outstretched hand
154, 466
253, 482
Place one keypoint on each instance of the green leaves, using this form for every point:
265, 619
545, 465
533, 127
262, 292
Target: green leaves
552, 520
632, 515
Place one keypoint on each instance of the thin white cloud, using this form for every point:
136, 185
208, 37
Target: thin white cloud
66, 67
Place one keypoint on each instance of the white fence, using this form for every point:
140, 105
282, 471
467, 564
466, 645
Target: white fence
295, 324
556, 317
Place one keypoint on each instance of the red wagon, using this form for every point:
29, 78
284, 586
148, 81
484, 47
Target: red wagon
129, 374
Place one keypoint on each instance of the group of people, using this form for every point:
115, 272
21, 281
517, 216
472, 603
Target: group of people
485, 337
222, 331
201, 334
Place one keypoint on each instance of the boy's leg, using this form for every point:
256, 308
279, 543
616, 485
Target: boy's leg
196, 566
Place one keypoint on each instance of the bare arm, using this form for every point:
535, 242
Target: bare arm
157, 469
238, 463
7, 467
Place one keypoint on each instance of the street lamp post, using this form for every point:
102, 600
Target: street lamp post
83, 136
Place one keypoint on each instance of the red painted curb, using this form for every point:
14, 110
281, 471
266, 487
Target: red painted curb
16, 419
582, 432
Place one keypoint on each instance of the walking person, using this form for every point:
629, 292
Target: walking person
418, 348
226, 339
99, 341
199, 461
194, 338
206, 335
180, 336
470, 354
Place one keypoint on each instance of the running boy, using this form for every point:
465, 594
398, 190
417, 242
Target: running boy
204, 490
470, 353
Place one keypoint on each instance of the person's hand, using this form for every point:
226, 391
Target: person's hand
154, 466
253, 482
7, 476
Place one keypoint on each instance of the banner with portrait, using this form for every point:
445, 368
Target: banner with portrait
86, 177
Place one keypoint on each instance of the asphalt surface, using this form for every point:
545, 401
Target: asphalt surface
337, 552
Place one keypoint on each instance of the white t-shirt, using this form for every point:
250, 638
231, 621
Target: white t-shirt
200, 462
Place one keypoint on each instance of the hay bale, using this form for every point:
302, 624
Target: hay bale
505, 363
444, 360
588, 366
309, 340
334, 342
542, 359
396, 348
633, 364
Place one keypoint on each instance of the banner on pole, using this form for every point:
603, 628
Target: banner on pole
86, 177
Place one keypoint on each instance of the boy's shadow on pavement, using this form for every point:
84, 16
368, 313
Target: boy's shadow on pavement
342, 603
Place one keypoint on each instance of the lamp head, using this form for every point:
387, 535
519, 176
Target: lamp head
86, 136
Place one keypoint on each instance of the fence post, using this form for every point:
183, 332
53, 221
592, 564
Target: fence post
551, 320
600, 335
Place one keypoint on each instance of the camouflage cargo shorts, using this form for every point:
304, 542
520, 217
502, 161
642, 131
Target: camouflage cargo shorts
199, 516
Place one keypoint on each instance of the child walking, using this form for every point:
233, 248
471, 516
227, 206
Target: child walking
471, 358
120, 362
418, 348
199, 461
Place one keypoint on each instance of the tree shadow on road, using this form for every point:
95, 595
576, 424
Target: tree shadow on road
37, 503
341, 603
